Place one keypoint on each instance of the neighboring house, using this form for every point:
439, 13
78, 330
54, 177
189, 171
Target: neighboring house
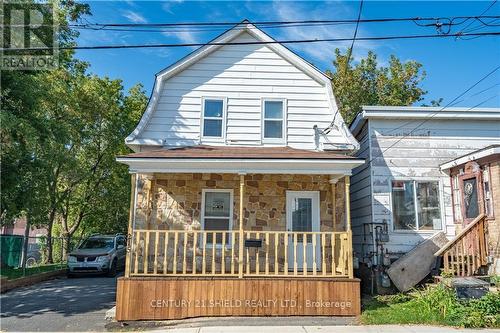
240, 182
18, 228
401, 196
475, 186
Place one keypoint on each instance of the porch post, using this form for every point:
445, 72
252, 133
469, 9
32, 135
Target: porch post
348, 226
333, 183
130, 231
240, 251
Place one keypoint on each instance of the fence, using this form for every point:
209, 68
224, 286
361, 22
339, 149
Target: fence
37, 254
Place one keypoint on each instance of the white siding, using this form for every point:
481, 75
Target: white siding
244, 74
361, 210
418, 156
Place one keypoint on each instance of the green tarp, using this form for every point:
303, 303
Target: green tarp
11, 247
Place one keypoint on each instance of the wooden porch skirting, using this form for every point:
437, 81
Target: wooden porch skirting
161, 298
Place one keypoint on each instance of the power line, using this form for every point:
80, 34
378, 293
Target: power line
201, 29
297, 41
436, 112
485, 101
482, 13
355, 34
349, 54
260, 23
475, 94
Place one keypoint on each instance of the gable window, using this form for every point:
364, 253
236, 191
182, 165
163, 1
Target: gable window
217, 213
416, 205
273, 121
213, 118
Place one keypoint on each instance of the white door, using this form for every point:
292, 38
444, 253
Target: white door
302, 215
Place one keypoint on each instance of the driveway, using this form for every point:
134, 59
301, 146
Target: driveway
77, 304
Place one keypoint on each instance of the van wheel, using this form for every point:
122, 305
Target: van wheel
112, 269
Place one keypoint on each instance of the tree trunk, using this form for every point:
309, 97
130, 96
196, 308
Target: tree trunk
24, 254
50, 258
66, 247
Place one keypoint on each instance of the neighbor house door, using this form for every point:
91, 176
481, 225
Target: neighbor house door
302, 215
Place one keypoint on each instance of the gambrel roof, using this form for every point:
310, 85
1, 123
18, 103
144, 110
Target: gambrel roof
226, 37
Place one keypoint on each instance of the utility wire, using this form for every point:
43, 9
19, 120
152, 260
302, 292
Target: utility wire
222, 24
483, 12
436, 112
473, 95
349, 54
485, 101
296, 41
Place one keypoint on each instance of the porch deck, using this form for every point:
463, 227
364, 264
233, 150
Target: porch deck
175, 270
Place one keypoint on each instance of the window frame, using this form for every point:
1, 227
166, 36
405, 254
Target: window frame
221, 138
229, 243
283, 139
415, 203
477, 175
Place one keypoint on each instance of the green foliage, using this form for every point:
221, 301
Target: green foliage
495, 280
367, 83
61, 132
434, 305
14, 273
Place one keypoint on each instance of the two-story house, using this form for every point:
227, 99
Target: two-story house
240, 188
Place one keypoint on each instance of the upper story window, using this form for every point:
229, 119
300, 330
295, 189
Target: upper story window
273, 121
416, 205
213, 118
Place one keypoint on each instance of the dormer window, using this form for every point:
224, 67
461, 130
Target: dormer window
213, 118
273, 121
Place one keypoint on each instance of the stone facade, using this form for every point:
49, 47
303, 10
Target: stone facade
173, 201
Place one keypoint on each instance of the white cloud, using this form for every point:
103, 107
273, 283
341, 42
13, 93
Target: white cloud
187, 37
134, 17
167, 6
317, 52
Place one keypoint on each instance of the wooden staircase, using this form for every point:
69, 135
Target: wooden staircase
467, 252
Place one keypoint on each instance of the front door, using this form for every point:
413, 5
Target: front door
302, 215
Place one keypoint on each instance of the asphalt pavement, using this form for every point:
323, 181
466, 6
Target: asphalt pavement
77, 304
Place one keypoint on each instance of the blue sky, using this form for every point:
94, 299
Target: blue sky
451, 65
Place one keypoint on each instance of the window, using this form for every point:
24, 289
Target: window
488, 200
416, 205
217, 212
471, 200
457, 197
274, 121
213, 118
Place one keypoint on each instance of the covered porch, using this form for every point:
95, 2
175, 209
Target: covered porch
213, 215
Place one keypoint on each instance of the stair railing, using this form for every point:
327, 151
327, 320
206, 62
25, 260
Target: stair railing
467, 252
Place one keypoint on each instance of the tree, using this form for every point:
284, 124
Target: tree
61, 131
367, 83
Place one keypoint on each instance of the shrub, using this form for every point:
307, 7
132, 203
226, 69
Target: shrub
437, 305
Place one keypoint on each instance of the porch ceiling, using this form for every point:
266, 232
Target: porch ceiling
223, 159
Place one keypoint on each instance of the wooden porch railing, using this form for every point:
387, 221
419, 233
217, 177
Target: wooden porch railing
217, 253
464, 254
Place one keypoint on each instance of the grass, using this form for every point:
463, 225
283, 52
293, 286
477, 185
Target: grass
14, 273
436, 305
